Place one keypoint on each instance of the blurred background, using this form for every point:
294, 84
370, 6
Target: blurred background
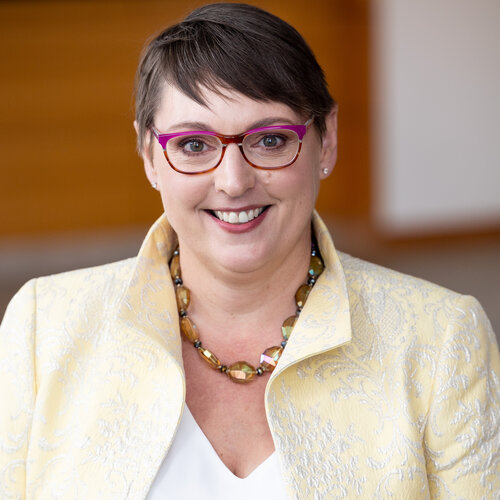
418, 176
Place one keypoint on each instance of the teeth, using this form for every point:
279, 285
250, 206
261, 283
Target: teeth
238, 217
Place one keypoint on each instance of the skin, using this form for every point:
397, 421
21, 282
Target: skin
242, 280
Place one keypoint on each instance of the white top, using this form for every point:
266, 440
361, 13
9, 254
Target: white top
192, 469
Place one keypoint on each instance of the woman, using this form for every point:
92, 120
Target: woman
371, 384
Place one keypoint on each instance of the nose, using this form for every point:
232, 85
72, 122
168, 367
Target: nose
234, 176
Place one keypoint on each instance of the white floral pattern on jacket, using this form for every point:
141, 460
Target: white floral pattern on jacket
388, 388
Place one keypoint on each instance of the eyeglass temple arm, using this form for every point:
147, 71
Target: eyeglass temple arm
157, 134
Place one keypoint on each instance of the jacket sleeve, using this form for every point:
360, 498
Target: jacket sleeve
462, 436
17, 390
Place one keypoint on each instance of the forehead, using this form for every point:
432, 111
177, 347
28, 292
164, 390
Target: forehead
225, 111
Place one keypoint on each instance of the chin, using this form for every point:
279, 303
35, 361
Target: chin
243, 259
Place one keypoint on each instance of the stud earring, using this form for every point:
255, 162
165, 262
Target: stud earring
325, 170
154, 185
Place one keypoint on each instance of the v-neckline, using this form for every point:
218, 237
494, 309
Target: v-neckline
193, 469
202, 438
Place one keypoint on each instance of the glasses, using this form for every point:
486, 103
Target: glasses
266, 148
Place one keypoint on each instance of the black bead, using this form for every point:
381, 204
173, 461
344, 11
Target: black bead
178, 281
197, 344
183, 314
283, 344
311, 280
223, 368
313, 252
298, 311
259, 371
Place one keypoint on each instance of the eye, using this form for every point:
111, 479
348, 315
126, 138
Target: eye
193, 145
271, 141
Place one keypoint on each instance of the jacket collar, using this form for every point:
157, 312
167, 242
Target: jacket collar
149, 299
325, 321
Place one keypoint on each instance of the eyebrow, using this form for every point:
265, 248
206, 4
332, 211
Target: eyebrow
201, 126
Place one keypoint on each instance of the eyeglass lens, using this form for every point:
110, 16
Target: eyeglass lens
199, 152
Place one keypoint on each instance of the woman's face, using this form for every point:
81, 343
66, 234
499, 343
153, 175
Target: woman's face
286, 197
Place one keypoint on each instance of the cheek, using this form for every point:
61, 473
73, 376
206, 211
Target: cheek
267, 177
302, 183
180, 194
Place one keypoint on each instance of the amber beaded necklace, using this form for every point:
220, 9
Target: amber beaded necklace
241, 371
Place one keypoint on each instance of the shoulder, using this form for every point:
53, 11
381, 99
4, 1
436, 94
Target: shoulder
84, 291
54, 313
366, 276
89, 280
63, 292
393, 309
372, 283
103, 272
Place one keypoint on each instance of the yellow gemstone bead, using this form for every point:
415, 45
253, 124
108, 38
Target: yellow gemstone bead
315, 266
175, 267
189, 329
287, 326
182, 294
301, 295
209, 357
270, 357
241, 372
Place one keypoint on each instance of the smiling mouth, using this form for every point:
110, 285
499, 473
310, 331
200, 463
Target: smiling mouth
238, 217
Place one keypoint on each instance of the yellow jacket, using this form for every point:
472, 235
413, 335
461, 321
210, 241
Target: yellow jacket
388, 387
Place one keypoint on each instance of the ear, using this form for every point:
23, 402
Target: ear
328, 157
146, 154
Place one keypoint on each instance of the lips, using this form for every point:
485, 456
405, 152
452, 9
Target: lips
238, 217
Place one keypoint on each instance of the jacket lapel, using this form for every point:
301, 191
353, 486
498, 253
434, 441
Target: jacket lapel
325, 321
323, 325
148, 328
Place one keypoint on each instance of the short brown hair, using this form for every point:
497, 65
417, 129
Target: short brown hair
233, 46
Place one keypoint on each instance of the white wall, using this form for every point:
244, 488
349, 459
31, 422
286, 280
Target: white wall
436, 115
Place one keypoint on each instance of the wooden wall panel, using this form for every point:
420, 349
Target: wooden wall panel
67, 144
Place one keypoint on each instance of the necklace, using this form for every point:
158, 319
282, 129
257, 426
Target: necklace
241, 371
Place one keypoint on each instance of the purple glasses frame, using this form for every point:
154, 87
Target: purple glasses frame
300, 130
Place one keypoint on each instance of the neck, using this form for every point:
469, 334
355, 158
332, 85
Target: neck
249, 300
